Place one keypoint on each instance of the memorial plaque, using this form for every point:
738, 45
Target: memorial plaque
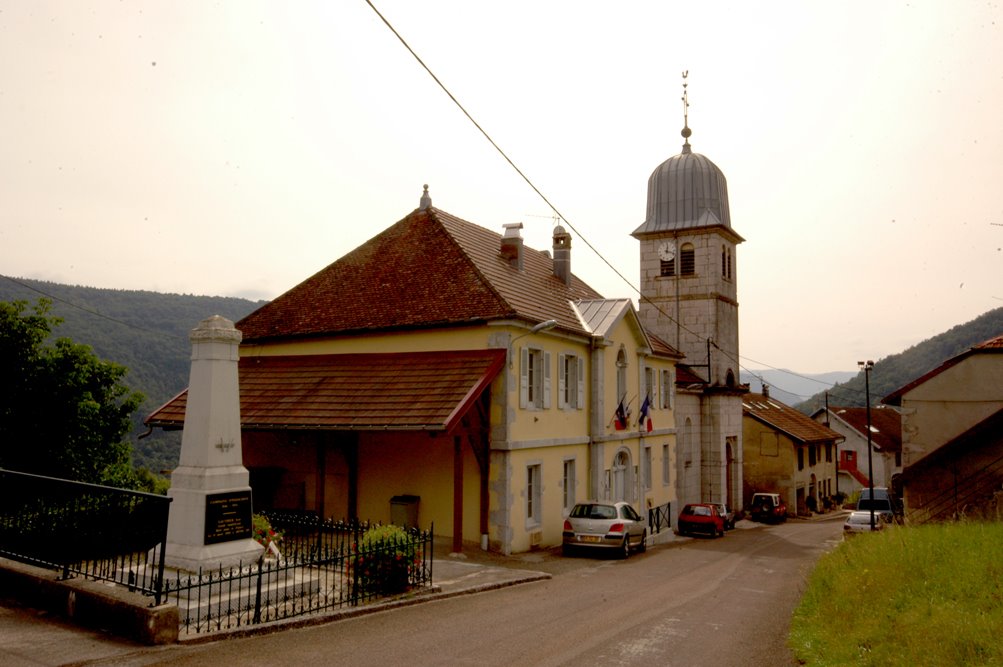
227, 516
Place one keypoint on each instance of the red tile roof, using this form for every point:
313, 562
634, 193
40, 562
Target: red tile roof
886, 423
402, 391
430, 269
794, 423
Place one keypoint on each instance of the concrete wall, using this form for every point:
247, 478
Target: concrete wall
91, 604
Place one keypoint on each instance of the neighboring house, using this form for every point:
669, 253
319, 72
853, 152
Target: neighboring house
886, 446
952, 434
787, 452
444, 374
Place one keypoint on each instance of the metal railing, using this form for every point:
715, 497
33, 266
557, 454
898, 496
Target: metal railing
98, 532
659, 518
319, 566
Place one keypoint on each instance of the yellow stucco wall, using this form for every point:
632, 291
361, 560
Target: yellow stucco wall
543, 437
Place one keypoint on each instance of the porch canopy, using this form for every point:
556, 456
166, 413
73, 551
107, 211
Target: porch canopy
420, 391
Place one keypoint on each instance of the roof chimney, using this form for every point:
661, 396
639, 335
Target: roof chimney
511, 244
562, 254
766, 390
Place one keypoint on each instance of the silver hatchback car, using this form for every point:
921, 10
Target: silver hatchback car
611, 526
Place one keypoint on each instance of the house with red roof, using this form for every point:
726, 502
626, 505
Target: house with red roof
886, 446
443, 374
952, 435
787, 452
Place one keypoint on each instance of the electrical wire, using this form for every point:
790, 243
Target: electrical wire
554, 208
92, 312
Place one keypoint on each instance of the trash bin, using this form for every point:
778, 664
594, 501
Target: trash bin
404, 511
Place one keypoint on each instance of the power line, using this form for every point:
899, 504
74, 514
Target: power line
91, 312
547, 201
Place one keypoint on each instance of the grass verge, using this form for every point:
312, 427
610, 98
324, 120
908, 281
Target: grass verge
928, 595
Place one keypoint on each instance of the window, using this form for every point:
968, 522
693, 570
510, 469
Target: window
724, 263
568, 483
668, 389
667, 269
666, 472
650, 389
621, 375
811, 455
800, 458
687, 260
534, 380
729, 263
570, 382
534, 494
828, 452
646, 465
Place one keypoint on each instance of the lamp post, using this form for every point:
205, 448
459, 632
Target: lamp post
537, 328
866, 366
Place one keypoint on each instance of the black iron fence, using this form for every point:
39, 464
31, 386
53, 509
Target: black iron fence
98, 532
318, 565
659, 518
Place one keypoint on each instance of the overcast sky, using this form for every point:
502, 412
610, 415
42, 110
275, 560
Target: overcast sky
236, 148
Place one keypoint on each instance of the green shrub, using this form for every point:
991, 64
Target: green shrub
384, 561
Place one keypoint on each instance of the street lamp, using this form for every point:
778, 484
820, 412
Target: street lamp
866, 366
542, 326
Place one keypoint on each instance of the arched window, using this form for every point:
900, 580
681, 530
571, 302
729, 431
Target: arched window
687, 260
621, 375
724, 263
730, 378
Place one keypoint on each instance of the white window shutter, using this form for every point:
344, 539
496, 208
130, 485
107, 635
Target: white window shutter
524, 377
562, 381
581, 382
546, 380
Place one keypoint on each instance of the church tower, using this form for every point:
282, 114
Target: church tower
689, 299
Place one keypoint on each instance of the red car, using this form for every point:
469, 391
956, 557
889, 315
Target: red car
701, 518
767, 507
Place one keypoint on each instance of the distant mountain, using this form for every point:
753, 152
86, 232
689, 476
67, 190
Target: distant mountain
147, 332
791, 387
897, 370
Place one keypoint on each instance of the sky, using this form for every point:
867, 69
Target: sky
236, 148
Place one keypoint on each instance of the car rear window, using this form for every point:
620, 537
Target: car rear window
593, 512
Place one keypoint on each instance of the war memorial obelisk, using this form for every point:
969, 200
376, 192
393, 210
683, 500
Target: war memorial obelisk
210, 517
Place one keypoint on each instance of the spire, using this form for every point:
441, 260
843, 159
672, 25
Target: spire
686, 116
426, 201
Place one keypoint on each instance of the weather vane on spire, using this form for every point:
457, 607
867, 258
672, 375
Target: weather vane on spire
686, 115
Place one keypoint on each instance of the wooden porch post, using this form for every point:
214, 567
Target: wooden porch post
352, 459
457, 494
321, 480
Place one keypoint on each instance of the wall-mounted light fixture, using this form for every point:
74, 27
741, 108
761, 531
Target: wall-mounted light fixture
542, 326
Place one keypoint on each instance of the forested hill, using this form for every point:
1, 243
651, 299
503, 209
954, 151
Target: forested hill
897, 370
147, 332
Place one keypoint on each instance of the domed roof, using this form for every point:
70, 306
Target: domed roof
685, 192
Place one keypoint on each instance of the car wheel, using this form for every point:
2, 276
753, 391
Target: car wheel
625, 547
643, 546
567, 550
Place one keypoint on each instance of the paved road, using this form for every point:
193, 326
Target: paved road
692, 602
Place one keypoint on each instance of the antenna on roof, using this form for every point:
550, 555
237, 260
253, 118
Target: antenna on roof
686, 115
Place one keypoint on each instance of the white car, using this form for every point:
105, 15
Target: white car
613, 527
859, 521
